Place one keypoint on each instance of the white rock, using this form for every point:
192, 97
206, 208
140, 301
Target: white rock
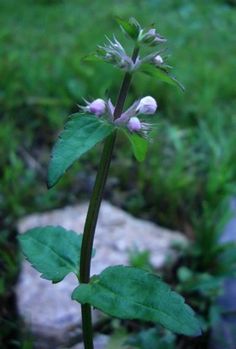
46, 308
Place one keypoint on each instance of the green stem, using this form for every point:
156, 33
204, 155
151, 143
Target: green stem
94, 206
93, 210
124, 87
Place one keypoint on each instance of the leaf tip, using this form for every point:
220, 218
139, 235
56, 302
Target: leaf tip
197, 328
49, 184
51, 178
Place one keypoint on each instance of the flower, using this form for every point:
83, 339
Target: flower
97, 107
158, 60
134, 124
113, 52
151, 37
147, 105
137, 126
128, 119
128, 114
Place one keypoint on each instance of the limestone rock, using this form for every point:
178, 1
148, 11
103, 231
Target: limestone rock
47, 309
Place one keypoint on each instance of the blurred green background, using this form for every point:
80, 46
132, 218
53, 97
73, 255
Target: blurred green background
190, 170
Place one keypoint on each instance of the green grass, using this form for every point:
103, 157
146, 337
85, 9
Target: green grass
42, 80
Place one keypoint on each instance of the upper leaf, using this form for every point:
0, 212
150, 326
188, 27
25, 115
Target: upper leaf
131, 293
131, 27
80, 134
160, 74
53, 251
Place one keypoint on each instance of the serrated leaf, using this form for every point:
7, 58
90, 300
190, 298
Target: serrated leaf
151, 70
80, 134
131, 293
130, 27
53, 251
139, 145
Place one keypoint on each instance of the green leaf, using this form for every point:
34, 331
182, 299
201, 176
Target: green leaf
93, 57
139, 145
151, 70
131, 27
53, 251
131, 293
80, 134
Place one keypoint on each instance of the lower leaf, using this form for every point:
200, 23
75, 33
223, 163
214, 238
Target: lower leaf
53, 251
131, 293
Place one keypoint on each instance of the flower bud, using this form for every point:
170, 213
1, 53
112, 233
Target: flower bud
151, 37
158, 60
134, 124
97, 107
114, 53
147, 105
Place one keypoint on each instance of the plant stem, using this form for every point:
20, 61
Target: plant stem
124, 87
94, 206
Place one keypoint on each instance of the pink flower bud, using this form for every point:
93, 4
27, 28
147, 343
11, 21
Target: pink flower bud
158, 60
97, 107
134, 124
147, 105
152, 32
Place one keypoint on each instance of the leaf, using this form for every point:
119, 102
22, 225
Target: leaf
131, 293
139, 145
53, 251
151, 70
131, 27
93, 57
80, 134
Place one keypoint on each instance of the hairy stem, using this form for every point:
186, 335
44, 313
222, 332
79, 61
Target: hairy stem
94, 206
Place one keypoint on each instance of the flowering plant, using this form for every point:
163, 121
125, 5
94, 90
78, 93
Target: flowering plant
120, 291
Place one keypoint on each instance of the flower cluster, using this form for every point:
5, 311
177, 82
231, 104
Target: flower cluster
114, 53
129, 119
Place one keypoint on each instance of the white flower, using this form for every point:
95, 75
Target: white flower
97, 107
147, 105
158, 60
134, 124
